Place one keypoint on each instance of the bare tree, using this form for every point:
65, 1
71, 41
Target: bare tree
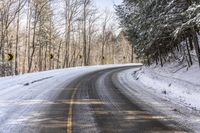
93, 17
8, 12
105, 22
34, 30
86, 4
71, 11
39, 7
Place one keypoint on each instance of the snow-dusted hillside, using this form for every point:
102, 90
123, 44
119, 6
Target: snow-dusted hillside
176, 83
173, 90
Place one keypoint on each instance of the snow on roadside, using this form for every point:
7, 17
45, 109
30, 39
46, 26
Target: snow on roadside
178, 85
172, 91
13, 86
25, 97
12, 81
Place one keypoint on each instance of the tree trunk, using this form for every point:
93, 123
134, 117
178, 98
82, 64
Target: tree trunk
160, 57
59, 49
102, 54
190, 42
2, 48
188, 51
132, 53
16, 45
84, 35
33, 44
196, 45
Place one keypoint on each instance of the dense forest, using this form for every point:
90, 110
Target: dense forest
39, 35
162, 29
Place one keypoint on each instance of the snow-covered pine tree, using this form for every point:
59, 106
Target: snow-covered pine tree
157, 27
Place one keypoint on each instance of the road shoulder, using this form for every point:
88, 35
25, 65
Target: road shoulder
154, 103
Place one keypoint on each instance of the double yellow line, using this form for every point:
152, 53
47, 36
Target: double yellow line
70, 113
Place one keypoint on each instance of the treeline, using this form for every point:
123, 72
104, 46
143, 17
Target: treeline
160, 28
51, 34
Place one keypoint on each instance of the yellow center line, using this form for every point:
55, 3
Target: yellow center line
70, 113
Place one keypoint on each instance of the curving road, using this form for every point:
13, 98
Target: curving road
93, 103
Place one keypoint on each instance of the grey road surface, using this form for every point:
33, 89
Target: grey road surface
94, 104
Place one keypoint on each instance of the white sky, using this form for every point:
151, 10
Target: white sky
107, 4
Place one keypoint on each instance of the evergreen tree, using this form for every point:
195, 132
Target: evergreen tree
157, 27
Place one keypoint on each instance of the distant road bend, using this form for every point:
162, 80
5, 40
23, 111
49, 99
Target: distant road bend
93, 103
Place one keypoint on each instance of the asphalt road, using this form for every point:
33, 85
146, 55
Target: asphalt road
93, 103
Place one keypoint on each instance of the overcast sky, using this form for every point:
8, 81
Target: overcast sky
107, 4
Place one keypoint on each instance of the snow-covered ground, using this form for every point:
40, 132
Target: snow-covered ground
21, 95
182, 85
173, 90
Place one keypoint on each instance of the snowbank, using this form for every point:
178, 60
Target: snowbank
172, 90
174, 83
